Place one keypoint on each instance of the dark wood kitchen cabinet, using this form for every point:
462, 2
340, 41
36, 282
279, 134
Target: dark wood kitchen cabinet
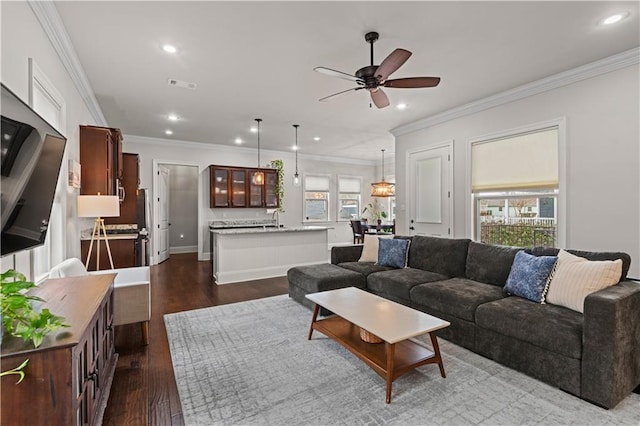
234, 187
123, 253
101, 160
68, 376
128, 194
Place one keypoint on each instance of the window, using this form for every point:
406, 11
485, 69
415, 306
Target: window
349, 194
514, 183
316, 198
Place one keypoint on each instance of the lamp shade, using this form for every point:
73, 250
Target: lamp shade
383, 189
98, 206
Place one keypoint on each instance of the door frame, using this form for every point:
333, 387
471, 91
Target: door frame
153, 258
411, 184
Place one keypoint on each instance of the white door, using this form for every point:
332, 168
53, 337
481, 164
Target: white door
162, 202
430, 191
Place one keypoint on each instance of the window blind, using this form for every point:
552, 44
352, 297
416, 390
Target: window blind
525, 161
349, 184
316, 183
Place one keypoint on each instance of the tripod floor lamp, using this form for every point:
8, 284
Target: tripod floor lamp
98, 206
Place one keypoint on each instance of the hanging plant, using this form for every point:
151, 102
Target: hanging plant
18, 371
279, 166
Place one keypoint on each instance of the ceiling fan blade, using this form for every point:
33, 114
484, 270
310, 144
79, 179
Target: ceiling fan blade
379, 98
334, 73
326, 98
391, 63
412, 82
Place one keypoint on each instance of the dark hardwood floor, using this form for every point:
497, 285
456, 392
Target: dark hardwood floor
144, 389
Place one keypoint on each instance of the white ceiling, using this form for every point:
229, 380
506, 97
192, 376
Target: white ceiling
256, 59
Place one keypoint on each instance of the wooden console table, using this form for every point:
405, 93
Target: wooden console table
69, 375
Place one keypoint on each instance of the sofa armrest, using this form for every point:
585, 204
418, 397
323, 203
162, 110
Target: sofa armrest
340, 254
611, 344
138, 274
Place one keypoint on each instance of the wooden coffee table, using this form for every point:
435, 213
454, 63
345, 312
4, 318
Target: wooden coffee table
390, 321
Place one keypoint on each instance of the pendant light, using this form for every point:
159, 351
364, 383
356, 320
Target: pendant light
382, 188
296, 176
258, 176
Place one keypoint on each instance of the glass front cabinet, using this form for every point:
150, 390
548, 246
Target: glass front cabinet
235, 187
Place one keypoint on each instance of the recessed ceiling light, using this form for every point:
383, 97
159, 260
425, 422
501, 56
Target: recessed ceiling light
253, 129
173, 117
317, 138
613, 19
238, 141
168, 132
401, 106
295, 148
169, 48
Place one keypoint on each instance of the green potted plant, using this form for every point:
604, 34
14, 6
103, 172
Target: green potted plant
374, 211
19, 318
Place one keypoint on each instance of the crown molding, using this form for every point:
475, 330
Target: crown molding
47, 15
180, 144
593, 69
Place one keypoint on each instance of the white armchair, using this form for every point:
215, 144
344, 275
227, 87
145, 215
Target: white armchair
131, 295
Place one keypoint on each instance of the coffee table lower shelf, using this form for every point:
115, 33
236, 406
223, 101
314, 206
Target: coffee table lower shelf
389, 360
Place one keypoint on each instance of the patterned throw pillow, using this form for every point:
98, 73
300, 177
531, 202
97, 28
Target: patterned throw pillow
393, 253
529, 276
576, 277
370, 249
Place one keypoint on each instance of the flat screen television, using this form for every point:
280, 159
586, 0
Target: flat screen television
30, 161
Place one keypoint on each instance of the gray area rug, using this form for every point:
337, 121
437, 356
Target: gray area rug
250, 363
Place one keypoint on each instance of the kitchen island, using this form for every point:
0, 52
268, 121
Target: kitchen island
244, 254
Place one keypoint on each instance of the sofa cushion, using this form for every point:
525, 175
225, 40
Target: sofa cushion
444, 256
370, 248
529, 276
554, 328
489, 263
576, 277
457, 296
398, 282
393, 252
323, 277
365, 268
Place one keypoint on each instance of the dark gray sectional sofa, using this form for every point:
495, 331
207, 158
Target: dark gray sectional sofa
595, 355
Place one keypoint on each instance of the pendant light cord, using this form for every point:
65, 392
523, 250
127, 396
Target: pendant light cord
383, 165
296, 127
258, 120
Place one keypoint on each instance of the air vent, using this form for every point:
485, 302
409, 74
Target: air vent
183, 84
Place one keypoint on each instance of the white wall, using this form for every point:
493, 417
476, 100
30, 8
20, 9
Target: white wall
203, 155
23, 38
602, 158
183, 208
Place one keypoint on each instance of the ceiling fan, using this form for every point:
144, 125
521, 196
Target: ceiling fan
374, 77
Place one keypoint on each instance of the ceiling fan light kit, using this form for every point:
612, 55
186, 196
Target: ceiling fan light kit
382, 188
374, 77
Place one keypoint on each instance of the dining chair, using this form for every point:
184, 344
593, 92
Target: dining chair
358, 233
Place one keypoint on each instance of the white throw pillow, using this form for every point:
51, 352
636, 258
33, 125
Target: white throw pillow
576, 277
370, 249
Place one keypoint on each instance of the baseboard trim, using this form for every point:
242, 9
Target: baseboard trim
183, 249
256, 273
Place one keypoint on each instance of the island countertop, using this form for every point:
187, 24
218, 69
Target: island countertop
261, 230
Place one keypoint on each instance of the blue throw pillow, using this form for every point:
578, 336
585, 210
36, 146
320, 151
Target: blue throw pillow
529, 276
393, 252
